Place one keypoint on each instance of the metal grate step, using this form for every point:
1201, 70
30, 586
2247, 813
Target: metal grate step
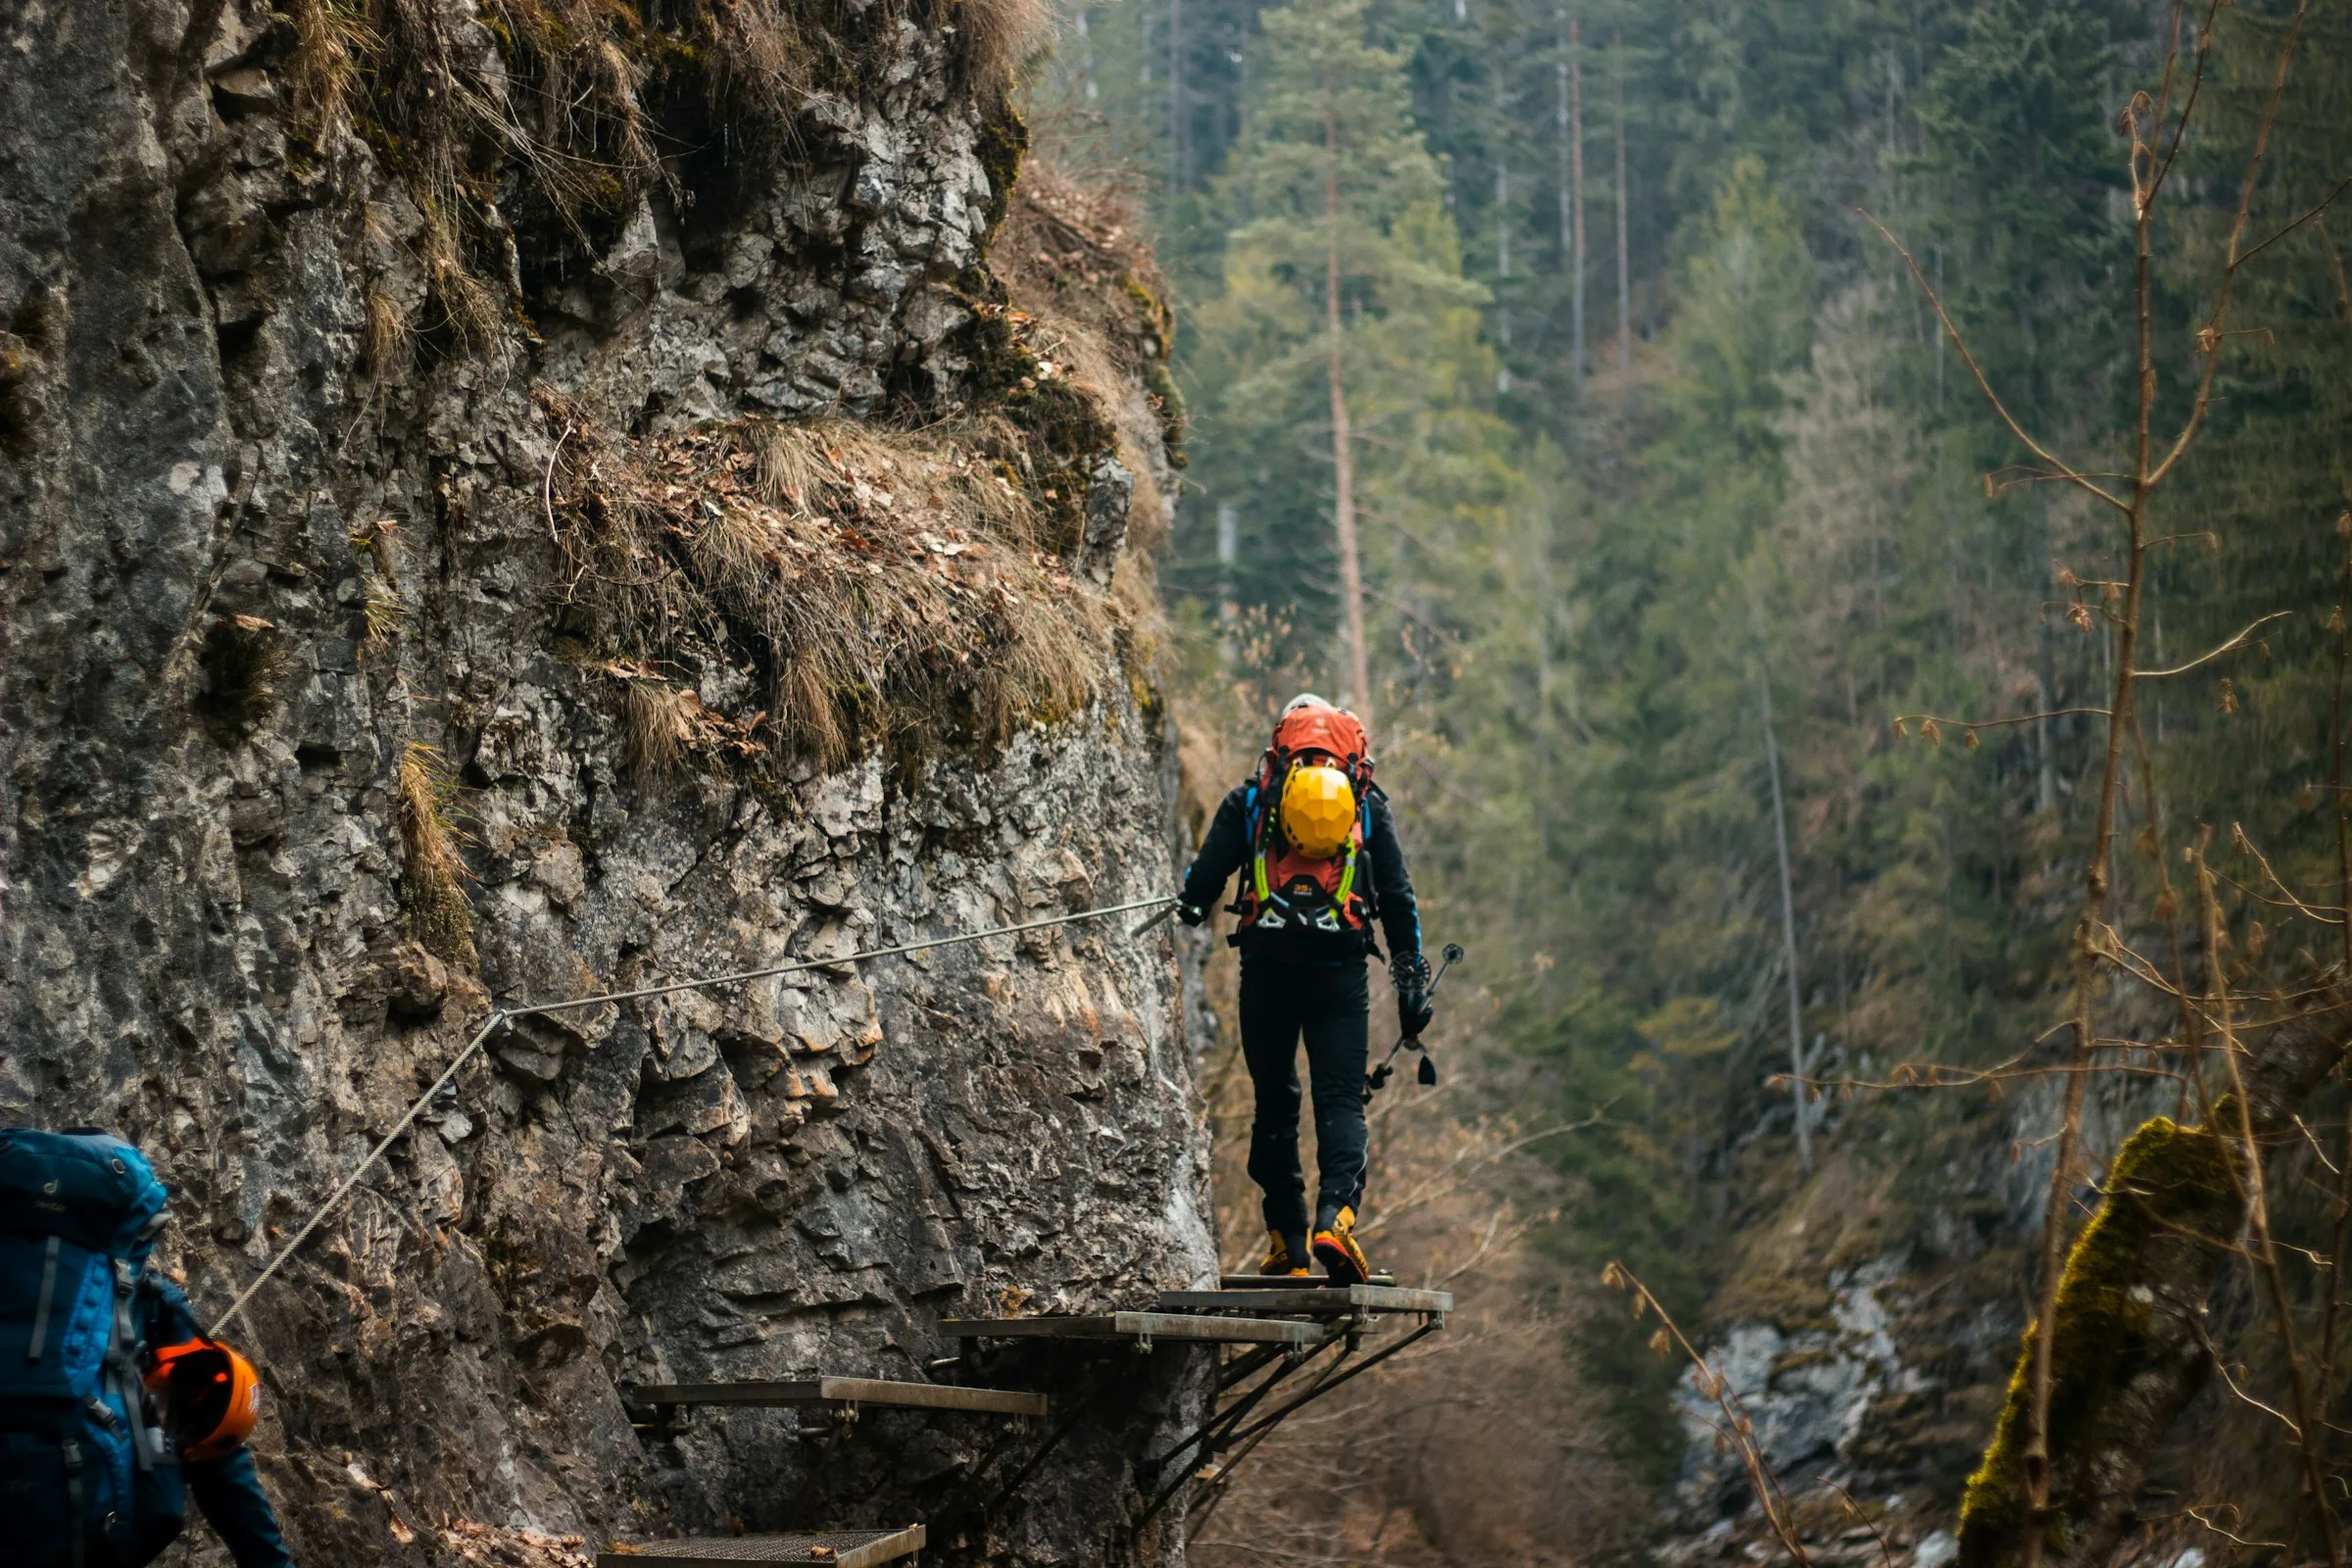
842, 1392
1144, 1327
1333, 1301
832, 1548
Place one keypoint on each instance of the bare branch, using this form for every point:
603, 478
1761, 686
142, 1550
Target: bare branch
2188, 105
2229, 647
1714, 1386
2058, 466
1926, 720
2324, 203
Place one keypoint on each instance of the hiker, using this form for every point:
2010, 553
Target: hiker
1321, 862
113, 1410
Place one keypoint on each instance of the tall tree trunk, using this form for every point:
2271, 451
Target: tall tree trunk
1086, 60
1543, 725
1359, 694
1576, 193
1228, 603
1503, 269
1780, 838
1575, 361
1625, 287
1175, 97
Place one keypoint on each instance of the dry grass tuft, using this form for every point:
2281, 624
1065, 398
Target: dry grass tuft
807, 590
657, 727
1074, 261
388, 339
382, 612
952, 471
469, 307
327, 41
242, 662
862, 585
768, 60
432, 891
1004, 40
663, 726
567, 122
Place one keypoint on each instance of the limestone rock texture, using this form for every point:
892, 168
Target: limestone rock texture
315, 753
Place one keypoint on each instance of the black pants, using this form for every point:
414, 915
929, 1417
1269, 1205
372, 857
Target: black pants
1330, 1007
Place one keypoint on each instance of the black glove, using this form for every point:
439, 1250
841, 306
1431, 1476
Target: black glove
1411, 977
1191, 914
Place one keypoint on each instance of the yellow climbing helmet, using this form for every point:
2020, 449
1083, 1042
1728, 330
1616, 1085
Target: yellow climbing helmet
1319, 811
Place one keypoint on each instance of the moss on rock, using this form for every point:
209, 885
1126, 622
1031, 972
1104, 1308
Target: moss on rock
2170, 1190
1003, 147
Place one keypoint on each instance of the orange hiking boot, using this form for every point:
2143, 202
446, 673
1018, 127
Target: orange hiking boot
1335, 1250
1280, 1259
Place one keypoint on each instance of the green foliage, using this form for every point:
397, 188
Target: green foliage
1744, 318
2024, 162
1332, 109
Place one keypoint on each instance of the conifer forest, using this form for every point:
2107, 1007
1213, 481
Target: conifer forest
1841, 520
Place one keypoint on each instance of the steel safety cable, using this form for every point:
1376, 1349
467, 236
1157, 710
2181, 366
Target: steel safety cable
500, 1015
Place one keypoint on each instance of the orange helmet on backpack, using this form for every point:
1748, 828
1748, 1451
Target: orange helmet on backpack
214, 1393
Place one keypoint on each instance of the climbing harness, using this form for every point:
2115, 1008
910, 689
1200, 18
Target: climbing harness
1427, 1072
502, 1015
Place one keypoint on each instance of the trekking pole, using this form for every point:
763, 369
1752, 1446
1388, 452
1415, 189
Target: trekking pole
1427, 1072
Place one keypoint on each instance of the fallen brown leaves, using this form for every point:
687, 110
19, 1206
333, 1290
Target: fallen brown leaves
491, 1546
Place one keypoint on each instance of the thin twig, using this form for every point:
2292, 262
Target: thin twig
2207, 658
2058, 466
2324, 203
1937, 720
1717, 1388
2256, 1194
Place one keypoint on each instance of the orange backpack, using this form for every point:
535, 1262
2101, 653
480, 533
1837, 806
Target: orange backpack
1283, 890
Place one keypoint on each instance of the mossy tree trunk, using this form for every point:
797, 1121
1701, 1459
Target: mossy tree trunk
2130, 1345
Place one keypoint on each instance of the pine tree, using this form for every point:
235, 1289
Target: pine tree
1344, 315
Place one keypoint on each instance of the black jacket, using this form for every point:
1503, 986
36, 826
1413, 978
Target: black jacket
1227, 850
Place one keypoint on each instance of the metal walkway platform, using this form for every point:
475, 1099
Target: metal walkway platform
1341, 1301
848, 1392
834, 1548
1141, 1327
1263, 1385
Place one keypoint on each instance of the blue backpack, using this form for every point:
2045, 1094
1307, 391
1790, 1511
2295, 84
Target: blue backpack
82, 1456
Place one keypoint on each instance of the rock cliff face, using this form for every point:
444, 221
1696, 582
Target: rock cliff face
452, 558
